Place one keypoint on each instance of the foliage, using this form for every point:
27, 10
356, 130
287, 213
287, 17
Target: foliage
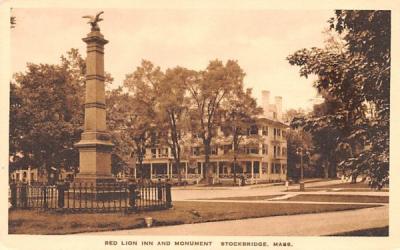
132, 114
356, 80
45, 115
207, 94
239, 114
172, 111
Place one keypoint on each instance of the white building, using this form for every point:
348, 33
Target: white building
265, 161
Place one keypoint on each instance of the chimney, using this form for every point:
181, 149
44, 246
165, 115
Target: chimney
265, 102
278, 104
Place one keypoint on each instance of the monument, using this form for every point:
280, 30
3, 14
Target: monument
95, 145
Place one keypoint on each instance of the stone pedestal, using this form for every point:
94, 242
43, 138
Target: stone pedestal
95, 145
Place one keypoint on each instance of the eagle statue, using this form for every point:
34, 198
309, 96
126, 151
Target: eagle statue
93, 20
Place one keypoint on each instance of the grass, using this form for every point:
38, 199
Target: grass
372, 232
33, 222
340, 198
357, 186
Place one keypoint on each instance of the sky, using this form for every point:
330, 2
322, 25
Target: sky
260, 40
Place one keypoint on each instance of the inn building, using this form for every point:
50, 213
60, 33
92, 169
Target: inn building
260, 162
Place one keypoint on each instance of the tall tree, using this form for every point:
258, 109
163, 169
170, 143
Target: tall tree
138, 107
172, 110
239, 114
44, 122
207, 93
358, 79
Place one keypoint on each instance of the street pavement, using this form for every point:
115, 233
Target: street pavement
293, 225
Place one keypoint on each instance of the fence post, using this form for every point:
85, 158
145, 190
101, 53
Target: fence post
132, 195
24, 195
61, 189
44, 197
13, 189
168, 195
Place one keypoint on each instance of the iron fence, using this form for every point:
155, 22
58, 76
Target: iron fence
87, 197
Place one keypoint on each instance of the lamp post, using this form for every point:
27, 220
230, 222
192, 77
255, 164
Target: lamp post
300, 151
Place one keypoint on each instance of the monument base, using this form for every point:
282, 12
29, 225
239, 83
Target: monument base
95, 187
94, 180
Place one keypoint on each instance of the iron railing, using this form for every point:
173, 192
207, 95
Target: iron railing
86, 197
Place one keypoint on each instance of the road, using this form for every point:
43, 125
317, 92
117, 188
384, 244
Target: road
293, 225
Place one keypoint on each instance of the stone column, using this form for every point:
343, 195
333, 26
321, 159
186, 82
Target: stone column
95, 145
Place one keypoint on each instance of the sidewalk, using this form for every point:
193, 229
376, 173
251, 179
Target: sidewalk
294, 225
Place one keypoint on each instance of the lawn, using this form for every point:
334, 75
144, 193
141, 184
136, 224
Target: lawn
340, 198
33, 222
355, 186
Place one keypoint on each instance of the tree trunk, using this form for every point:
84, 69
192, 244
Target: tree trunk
326, 169
178, 167
354, 178
234, 169
206, 170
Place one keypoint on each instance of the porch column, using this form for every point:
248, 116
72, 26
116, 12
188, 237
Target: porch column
186, 170
151, 171
218, 165
29, 175
168, 170
252, 169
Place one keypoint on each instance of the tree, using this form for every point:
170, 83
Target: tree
135, 111
357, 80
45, 120
239, 114
172, 110
207, 93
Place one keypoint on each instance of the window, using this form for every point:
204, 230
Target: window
252, 150
284, 151
195, 151
275, 115
163, 152
264, 130
284, 134
153, 153
278, 151
214, 150
265, 149
154, 138
253, 130
227, 148
283, 168
256, 167
275, 168
264, 167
